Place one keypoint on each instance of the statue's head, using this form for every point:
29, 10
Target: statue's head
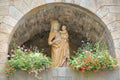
55, 25
63, 27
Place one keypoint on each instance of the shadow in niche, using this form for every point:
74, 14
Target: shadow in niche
40, 41
33, 29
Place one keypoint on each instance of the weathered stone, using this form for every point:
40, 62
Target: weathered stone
109, 18
2, 74
15, 13
68, 74
49, 1
58, 0
9, 20
3, 45
117, 43
117, 53
5, 28
114, 26
1, 19
101, 3
3, 59
34, 28
115, 34
36, 3
89, 5
4, 2
114, 9
103, 11
28, 2
4, 10
22, 6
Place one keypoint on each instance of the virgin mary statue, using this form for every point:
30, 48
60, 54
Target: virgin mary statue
59, 44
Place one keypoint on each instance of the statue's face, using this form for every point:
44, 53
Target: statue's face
63, 27
56, 27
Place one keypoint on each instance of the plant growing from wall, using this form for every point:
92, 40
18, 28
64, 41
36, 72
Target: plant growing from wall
31, 61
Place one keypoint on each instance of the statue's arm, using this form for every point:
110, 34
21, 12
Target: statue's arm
50, 39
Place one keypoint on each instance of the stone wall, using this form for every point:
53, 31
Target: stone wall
11, 11
67, 74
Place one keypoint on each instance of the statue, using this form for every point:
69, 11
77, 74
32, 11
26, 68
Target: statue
59, 44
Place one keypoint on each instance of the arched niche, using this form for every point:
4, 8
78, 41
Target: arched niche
33, 29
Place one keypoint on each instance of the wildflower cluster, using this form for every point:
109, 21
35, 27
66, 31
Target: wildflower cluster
92, 58
31, 61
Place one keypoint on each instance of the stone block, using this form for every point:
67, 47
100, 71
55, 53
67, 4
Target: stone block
4, 10
15, 13
101, 3
9, 20
28, 2
116, 43
101, 12
49, 1
5, 28
90, 5
115, 34
109, 18
22, 6
3, 46
4, 2
114, 9
114, 26
2, 75
1, 19
36, 3
117, 52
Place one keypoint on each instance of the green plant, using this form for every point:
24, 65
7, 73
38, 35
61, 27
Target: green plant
92, 58
31, 61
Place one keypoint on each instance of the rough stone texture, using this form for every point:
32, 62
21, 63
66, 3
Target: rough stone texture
3, 46
4, 2
110, 18
4, 10
114, 26
15, 13
36, 3
114, 9
107, 10
91, 4
115, 34
22, 5
2, 75
9, 20
36, 26
118, 54
102, 12
117, 43
1, 19
67, 74
5, 28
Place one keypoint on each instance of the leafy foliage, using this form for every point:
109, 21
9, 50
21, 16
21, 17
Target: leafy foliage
92, 58
31, 61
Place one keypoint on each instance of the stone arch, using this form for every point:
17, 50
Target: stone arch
12, 11
82, 23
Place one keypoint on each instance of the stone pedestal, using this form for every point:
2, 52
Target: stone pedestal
67, 74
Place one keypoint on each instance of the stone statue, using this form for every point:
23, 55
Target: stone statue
59, 44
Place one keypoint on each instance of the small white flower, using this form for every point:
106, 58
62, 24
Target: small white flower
82, 41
